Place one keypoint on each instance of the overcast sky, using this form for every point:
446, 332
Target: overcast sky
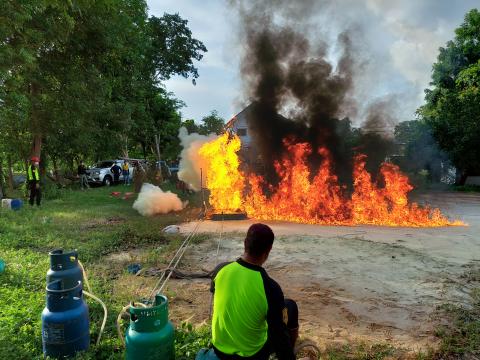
400, 41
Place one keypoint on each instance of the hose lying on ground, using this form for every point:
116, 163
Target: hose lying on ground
119, 317
306, 344
176, 274
90, 294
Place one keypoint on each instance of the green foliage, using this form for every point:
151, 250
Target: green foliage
189, 340
83, 79
467, 188
452, 106
211, 124
360, 351
420, 150
191, 126
172, 48
460, 336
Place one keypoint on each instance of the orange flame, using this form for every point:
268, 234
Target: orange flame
296, 198
223, 178
303, 197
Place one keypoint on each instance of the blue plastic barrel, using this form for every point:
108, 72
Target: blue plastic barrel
16, 204
65, 324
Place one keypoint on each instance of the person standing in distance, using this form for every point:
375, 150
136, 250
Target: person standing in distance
33, 179
126, 173
82, 174
116, 170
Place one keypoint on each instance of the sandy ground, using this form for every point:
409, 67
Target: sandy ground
352, 283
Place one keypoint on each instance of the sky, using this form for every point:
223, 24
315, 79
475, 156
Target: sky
398, 42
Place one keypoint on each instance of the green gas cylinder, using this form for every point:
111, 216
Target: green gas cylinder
150, 335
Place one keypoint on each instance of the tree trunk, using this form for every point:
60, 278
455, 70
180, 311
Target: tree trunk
37, 145
461, 177
43, 165
157, 146
2, 178
158, 173
55, 169
125, 149
10, 173
35, 121
144, 149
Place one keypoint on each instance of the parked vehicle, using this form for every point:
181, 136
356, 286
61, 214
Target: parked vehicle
168, 170
19, 180
102, 175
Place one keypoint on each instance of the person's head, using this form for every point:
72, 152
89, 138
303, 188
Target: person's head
81, 162
258, 242
35, 160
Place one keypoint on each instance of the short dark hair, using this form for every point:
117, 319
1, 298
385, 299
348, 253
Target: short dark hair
259, 239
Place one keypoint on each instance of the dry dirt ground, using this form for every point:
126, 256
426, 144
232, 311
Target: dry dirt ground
352, 283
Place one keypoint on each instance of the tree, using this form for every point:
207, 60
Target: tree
420, 150
452, 108
83, 79
191, 126
172, 47
212, 124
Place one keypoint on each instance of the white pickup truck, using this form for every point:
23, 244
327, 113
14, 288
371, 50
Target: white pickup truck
101, 172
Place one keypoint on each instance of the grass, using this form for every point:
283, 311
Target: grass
466, 188
96, 224
99, 225
361, 351
460, 329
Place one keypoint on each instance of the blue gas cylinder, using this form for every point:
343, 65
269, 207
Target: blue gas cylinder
65, 324
64, 266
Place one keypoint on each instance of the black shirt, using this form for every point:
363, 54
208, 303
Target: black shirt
82, 170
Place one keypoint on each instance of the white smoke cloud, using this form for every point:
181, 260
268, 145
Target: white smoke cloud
153, 200
190, 162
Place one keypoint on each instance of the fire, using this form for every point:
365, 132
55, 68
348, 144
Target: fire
296, 198
224, 180
388, 205
303, 197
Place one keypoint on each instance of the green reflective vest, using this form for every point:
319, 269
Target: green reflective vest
239, 324
33, 174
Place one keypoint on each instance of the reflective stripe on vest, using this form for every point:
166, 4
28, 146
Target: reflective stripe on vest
33, 172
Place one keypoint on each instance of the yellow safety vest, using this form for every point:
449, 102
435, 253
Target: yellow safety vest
125, 166
33, 174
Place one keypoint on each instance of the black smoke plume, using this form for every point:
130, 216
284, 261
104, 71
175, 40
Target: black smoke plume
285, 72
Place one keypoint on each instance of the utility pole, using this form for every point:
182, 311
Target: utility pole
157, 145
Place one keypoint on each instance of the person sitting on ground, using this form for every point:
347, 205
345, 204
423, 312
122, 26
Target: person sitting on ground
251, 319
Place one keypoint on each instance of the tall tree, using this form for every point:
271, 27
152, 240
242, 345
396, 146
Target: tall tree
191, 126
420, 150
452, 106
212, 123
77, 77
173, 49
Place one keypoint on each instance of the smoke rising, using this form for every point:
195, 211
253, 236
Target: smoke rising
287, 69
153, 200
191, 162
